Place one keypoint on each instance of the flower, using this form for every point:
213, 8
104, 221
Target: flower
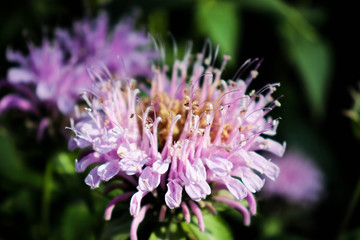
300, 180
51, 77
192, 138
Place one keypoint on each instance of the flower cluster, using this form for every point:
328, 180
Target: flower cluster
51, 77
193, 140
300, 180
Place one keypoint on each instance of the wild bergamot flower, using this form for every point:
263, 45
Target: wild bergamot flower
300, 181
182, 142
49, 80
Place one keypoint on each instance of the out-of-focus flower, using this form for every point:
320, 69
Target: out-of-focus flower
300, 180
354, 112
50, 78
191, 142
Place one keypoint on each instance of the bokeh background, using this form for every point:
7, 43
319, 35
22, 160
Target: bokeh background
310, 47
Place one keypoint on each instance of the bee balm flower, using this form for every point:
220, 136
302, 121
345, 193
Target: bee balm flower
300, 180
191, 138
49, 80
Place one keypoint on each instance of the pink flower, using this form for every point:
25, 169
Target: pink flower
52, 76
300, 180
201, 137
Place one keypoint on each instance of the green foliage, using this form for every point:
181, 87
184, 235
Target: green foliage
310, 54
12, 166
48, 200
158, 22
313, 60
171, 230
219, 21
215, 228
64, 163
76, 222
117, 229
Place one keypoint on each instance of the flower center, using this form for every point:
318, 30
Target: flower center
167, 108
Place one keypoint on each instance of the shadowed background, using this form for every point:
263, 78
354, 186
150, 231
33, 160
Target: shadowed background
309, 47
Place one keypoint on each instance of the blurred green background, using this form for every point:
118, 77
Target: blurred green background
310, 47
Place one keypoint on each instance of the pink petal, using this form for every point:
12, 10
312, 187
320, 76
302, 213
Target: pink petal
162, 213
15, 101
149, 180
19, 75
252, 203
219, 165
93, 179
110, 207
108, 170
91, 158
236, 188
186, 212
173, 195
44, 123
135, 202
236, 205
137, 220
195, 208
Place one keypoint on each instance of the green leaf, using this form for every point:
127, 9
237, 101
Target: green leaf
48, 186
12, 166
219, 20
117, 229
10, 161
310, 55
312, 59
64, 163
172, 230
215, 228
158, 22
272, 227
76, 222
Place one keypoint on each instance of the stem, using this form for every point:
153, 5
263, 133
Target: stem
351, 208
45, 209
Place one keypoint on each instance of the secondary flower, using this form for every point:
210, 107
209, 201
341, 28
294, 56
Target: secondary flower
300, 180
192, 141
48, 81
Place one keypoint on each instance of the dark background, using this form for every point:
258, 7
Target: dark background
33, 208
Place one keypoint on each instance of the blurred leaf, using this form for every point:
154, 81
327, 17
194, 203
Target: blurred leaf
46, 197
219, 20
310, 55
215, 228
158, 22
21, 201
272, 227
10, 161
117, 229
76, 222
313, 60
64, 163
171, 231
282, 12
11, 165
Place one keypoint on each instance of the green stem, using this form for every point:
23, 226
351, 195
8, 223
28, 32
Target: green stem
351, 208
45, 209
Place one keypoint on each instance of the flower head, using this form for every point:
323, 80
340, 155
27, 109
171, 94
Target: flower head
300, 180
52, 76
193, 136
